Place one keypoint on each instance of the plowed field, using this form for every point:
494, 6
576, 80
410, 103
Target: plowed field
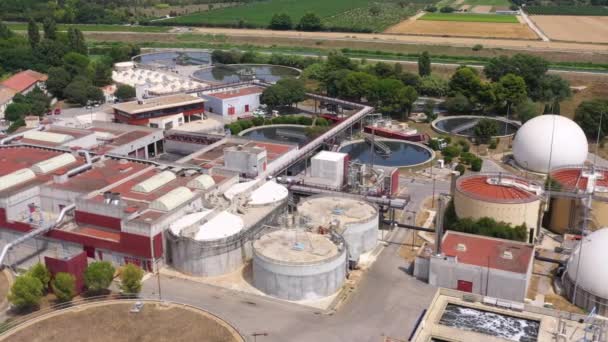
463, 29
574, 28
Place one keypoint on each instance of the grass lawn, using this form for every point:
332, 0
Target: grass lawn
470, 17
501, 3
103, 28
259, 13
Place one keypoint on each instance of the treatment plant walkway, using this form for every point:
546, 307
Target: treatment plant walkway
387, 302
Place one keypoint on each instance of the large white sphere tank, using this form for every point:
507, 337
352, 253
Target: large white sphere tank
591, 269
532, 146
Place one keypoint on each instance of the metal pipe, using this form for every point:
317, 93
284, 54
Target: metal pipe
537, 256
408, 226
35, 232
89, 163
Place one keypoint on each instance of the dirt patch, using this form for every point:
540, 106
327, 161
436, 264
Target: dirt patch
465, 8
590, 29
464, 29
481, 9
114, 322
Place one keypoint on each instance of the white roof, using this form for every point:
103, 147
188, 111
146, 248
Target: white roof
172, 199
533, 148
270, 192
239, 188
202, 182
15, 178
54, 163
48, 137
104, 135
222, 225
330, 156
188, 220
154, 182
593, 273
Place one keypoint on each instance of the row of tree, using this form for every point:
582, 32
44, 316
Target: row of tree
309, 22
29, 288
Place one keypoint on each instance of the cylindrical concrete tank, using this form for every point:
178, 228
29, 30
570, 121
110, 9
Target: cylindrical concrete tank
504, 198
296, 265
354, 219
567, 213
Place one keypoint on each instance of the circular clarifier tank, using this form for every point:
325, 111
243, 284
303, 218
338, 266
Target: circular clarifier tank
464, 125
402, 153
354, 219
298, 265
232, 73
295, 134
170, 59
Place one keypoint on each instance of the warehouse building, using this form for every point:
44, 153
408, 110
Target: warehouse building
478, 264
174, 110
233, 103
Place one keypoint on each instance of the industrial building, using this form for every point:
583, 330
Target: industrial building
25, 81
502, 197
585, 278
176, 109
356, 220
575, 185
217, 241
233, 103
549, 141
294, 264
473, 263
464, 317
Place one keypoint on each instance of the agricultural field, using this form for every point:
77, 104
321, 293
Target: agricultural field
496, 3
360, 19
258, 14
97, 28
567, 10
588, 29
470, 17
463, 29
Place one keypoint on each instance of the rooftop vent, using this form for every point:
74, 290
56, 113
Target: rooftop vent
461, 247
154, 182
15, 178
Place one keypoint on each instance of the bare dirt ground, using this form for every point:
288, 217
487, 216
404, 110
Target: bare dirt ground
114, 322
463, 29
574, 28
481, 9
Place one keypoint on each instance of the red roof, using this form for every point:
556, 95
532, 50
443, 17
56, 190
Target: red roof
571, 179
488, 252
16, 158
229, 94
478, 187
101, 175
24, 80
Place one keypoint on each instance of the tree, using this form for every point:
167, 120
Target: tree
5, 31
33, 35
528, 67
281, 21
130, 279
102, 74
476, 164
275, 96
526, 110
294, 88
50, 28
58, 80
50, 52
424, 64
511, 90
553, 90
314, 72
26, 292
588, 114
76, 42
124, 92
465, 81
310, 22
64, 286
383, 70
98, 276
460, 168
375, 10
75, 63
392, 97
337, 61
40, 272
433, 86
485, 130
80, 91
429, 110
446, 9
16, 111
356, 85
458, 104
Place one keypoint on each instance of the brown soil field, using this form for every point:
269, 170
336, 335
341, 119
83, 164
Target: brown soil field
481, 9
574, 28
114, 322
463, 29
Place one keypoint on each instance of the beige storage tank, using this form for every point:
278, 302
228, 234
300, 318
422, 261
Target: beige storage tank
502, 197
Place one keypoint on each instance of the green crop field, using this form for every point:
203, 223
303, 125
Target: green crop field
567, 10
499, 3
100, 28
470, 17
360, 19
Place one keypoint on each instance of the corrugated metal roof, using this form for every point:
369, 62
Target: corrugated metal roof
48, 137
15, 178
172, 199
202, 182
154, 182
54, 163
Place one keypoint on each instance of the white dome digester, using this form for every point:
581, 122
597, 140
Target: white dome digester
532, 144
591, 271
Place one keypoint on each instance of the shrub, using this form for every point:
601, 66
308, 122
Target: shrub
464, 145
467, 158
431, 9
493, 144
451, 151
477, 47
446, 9
64, 286
476, 164
130, 279
40, 272
26, 292
98, 276
460, 168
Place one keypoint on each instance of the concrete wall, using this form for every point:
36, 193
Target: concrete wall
221, 107
33, 251
513, 213
298, 282
584, 299
422, 268
361, 237
567, 214
446, 272
16, 204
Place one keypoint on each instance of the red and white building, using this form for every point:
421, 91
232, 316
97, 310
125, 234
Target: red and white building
234, 103
25, 81
163, 112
